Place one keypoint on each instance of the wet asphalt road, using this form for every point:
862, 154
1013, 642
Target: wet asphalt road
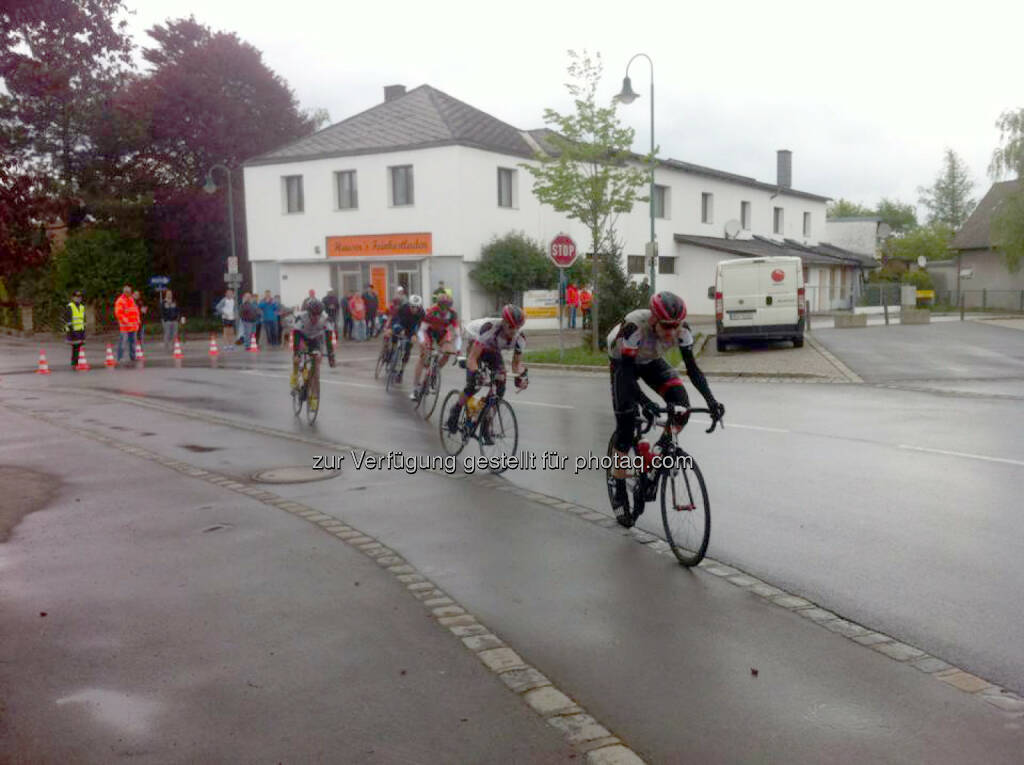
844, 494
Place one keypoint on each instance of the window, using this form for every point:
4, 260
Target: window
635, 264
745, 216
506, 187
666, 265
661, 201
807, 224
777, 221
345, 185
293, 202
400, 179
707, 208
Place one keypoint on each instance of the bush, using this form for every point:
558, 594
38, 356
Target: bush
100, 263
920, 279
618, 295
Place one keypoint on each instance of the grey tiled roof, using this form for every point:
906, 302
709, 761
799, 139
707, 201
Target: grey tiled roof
422, 117
974, 234
761, 247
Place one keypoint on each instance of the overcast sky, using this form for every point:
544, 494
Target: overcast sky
867, 98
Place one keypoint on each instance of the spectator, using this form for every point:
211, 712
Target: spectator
332, 306
170, 317
441, 289
225, 308
127, 314
282, 310
74, 323
346, 317
250, 314
143, 310
572, 300
311, 296
269, 310
586, 302
372, 303
357, 306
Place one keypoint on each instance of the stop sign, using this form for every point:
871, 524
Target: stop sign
563, 251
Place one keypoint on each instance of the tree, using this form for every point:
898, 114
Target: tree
591, 178
1007, 232
59, 61
844, 208
949, 199
24, 209
932, 241
620, 293
512, 264
100, 263
899, 216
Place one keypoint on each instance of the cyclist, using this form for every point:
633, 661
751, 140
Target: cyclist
310, 327
637, 346
404, 320
489, 338
440, 325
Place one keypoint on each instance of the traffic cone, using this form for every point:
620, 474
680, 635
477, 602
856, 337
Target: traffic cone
140, 355
44, 368
213, 346
253, 347
83, 365
178, 353
109, 362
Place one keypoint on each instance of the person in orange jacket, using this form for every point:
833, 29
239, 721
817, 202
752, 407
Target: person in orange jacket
572, 299
586, 302
128, 320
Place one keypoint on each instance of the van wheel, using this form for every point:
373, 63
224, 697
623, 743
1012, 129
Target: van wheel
720, 344
798, 341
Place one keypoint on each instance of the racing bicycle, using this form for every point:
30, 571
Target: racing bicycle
489, 419
429, 389
685, 508
307, 392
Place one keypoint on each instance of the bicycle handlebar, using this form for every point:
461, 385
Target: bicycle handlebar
652, 412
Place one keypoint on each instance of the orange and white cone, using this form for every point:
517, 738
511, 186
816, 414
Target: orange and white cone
213, 346
253, 347
178, 353
109, 362
83, 365
44, 368
140, 355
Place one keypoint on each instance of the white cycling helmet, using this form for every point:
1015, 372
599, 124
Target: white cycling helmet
416, 300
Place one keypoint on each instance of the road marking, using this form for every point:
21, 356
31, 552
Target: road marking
322, 380
744, 427
962, 454
539, 403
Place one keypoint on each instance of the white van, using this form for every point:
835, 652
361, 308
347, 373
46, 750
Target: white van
759, 299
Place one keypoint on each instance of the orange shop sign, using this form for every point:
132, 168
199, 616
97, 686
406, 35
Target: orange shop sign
379, 244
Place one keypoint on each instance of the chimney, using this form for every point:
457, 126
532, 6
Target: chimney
391, 92
784, 175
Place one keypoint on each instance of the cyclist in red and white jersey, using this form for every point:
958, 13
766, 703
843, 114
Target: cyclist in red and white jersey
440, 325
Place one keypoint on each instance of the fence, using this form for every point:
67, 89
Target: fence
873, 294
983, 300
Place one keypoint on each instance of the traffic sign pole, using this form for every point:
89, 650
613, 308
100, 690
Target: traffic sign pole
563, 254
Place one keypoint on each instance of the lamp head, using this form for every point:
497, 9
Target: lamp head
209, 187
627, 95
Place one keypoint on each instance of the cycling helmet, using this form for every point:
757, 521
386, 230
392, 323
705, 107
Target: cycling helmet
315, 307
444, 300
513, 316
668, 308
416, 301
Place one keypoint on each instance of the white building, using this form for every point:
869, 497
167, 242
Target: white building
409, 191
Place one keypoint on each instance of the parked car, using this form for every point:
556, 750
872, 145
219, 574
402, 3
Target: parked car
759, 299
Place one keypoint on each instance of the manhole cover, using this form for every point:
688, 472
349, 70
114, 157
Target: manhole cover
298, 474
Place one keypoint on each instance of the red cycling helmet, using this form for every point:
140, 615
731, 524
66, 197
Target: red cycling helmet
444, 300
668, 308
513, 316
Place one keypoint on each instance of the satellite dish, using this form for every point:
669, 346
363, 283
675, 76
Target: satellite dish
884, 231
732, 228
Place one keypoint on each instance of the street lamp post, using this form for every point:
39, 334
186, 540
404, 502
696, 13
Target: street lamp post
210, 187
628, 96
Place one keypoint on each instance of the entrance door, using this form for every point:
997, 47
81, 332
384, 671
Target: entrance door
350, 282
409, 278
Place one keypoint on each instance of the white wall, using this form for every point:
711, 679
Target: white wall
856, 235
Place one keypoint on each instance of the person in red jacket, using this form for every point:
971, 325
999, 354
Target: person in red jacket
586, 303
128, 320
572, 299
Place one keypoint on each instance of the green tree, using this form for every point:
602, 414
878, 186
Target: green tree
511, 264
1007, 232
949, 199
932, 241
592, 177
100, 263
900, 216
844, 208
620, 293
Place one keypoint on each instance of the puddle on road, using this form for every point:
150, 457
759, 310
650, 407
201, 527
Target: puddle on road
127, 713
200, 448
24, 491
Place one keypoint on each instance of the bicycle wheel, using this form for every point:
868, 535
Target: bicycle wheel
685, 510
299, 392
452, 443
431, 391
632, 480
313, 396
499, 432
394, 364
382, 359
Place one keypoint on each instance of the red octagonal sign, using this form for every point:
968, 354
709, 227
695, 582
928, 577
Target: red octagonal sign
563, 251
778, 275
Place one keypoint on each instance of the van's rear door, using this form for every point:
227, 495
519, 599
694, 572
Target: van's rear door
740, 288
779, 279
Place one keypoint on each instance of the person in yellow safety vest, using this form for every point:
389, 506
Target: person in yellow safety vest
74, 323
